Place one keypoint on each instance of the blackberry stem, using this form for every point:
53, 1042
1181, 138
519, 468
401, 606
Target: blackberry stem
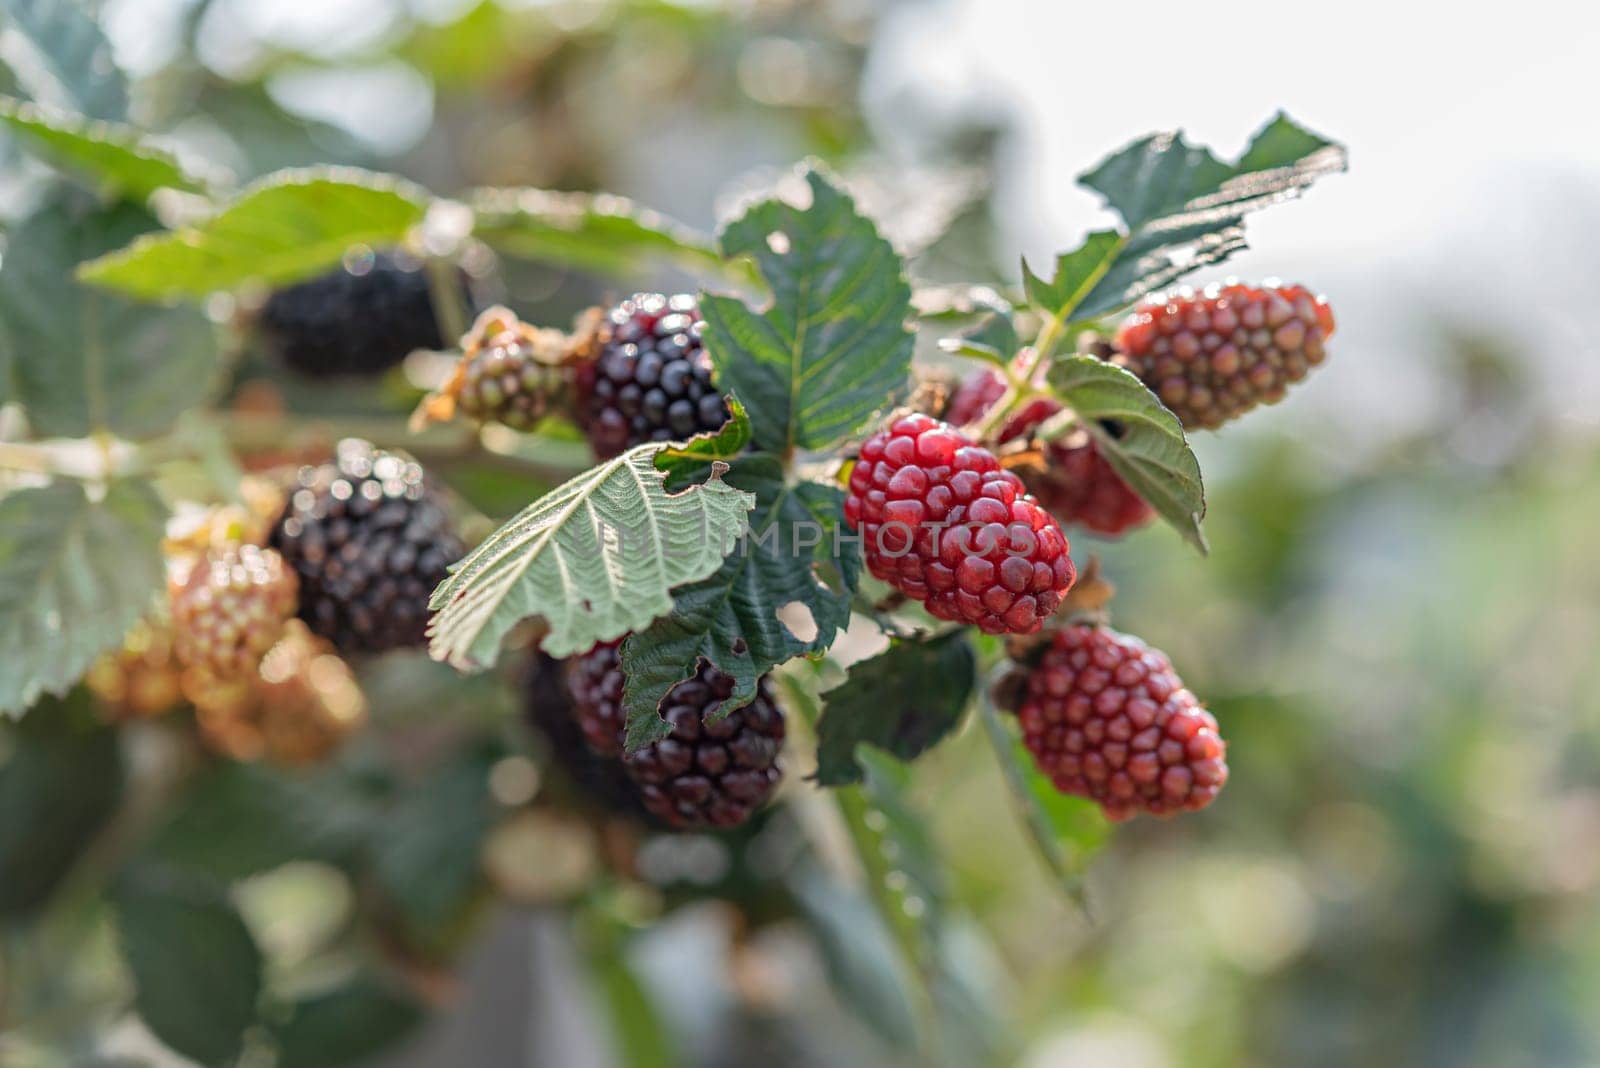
444, 290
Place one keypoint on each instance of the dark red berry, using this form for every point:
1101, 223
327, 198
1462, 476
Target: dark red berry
370, 540
358, 319
1107, 718
650, 379
710, 772
1075, 484
595, 681
1213, 356
942, 522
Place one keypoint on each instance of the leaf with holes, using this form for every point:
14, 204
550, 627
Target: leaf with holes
594, 232
1183, 209
286, 227
1141, 440
79, 360
72, 53
903, 701
111, 157
831, 348
75, 574
790, 556
595, 558
694, 457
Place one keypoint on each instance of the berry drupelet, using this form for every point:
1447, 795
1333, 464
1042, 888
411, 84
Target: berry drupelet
1215, 355
1107, 718
943, 523
650, 379
1075, 483
370, 540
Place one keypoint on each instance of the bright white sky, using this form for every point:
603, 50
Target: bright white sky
1474, 189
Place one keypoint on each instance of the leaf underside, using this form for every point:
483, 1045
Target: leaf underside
595, 558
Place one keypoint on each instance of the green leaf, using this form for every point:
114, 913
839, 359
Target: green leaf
593, 232
1141, 440
285, 228
80, 360
72, 52
596, 558
1065, 830
75, 574
789, 556
196, 968
59, 785
235, 820
832, 348
427, 850
904, 701
1185, 209
1077, 274
346, 1026
694, 458
114, 158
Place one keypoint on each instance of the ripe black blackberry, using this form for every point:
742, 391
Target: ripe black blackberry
710, 773
370, 540
650, 379
356, 322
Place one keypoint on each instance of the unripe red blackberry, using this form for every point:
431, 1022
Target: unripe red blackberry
228, 607
650, 378
710, 773
943, 523
1107, 718
1075, 483
358, 319
1213, 356
370, 540
511, 372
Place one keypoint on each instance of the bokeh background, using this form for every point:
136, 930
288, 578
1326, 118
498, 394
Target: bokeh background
1400, 618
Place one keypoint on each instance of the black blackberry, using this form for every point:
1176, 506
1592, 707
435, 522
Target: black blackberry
370, 541
548, 702
710, 773
354, 322
651, 378
595, 682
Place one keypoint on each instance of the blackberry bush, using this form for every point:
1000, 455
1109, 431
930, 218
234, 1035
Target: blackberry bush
770, 481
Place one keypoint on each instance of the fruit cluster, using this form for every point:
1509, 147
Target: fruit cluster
1214, 355
712, 771
1105, 717
943, 523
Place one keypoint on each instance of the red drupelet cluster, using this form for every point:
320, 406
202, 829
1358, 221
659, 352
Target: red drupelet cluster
942, 522
1107, 718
